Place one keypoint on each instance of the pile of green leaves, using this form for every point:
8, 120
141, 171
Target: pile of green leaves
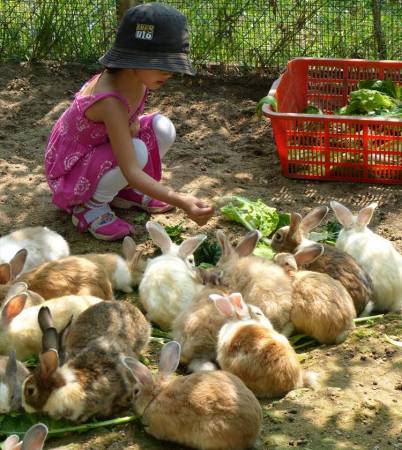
255, 215
375, 98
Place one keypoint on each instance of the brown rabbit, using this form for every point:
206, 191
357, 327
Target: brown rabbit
67, 276
261, 282
206, 410
123, 273
93, 381
321, 306
250, 348
335, 262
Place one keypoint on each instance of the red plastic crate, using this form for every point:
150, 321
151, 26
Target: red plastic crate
330, 146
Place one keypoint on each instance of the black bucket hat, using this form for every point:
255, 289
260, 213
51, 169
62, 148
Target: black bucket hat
151, 36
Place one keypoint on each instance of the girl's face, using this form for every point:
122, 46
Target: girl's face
152, 78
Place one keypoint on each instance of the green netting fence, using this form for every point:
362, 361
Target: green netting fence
241, 35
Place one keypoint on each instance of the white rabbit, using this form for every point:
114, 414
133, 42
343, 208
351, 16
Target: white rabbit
34, 439
375, 254
19, 327
41, 243
170, 281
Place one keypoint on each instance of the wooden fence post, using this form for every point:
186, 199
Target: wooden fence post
123, 5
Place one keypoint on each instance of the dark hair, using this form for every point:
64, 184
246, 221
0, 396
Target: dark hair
112, 69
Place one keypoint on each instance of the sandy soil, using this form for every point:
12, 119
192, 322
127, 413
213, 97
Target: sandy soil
221, 149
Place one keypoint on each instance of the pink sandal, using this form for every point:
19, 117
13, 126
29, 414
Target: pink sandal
129, 198
101, 222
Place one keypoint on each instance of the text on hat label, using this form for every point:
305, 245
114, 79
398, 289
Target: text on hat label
144, 31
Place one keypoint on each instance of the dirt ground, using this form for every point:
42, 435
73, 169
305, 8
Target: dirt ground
221, 149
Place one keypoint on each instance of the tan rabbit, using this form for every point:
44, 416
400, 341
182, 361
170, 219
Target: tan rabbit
92, 382
68, 276
205, 410
20, 329
261, 282
196, 328
34, 439
335, 262
249, 347
322, 307
123, 273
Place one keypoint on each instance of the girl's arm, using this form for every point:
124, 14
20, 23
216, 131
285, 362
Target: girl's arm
115, 116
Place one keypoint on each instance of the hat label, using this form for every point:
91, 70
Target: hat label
144, 31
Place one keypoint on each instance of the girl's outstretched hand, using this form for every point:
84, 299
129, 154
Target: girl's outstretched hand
197, 210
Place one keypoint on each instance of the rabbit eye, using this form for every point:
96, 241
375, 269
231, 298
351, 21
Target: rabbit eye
30, 390
136, 391
278, 237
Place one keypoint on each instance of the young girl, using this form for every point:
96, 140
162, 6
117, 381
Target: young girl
102, 151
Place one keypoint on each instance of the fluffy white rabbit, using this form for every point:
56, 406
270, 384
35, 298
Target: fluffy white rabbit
374, 253
41, 243
170, 281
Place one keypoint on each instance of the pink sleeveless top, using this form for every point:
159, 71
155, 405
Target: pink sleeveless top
78, 151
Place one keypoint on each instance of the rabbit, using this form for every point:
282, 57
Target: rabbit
41, 243
92, 382
261, 282
321, 306
374, 253
169, 283
120, 322
196, 327
249, 347
20, 287
334, 261
68, 276
19, 328
204, 410
34, 439
123, 273
12, 374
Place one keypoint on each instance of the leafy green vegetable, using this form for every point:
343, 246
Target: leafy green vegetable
311, 109
388, 87
264, 251
175, 232
208, 252
254, 215
368, 102
267, 100
140, 217
32, 361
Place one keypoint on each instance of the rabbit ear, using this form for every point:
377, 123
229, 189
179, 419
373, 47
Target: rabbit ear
50, 340
294, 232
17, 262
159, 236
343, 214
5, 273
313, 218
45, 319
129, 248
236, 299
365, 215
15, 289
170, 358
35, 298
247, 245
11, 442
223, 305
190, 245
308, 254
35, 437
11, 367
13, 307
226, 246
208, 276
49, 363
140, 372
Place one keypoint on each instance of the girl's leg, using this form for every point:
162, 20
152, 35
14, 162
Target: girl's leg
165, 134
96, 215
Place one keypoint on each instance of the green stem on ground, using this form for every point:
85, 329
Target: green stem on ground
305, 344
367, 318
